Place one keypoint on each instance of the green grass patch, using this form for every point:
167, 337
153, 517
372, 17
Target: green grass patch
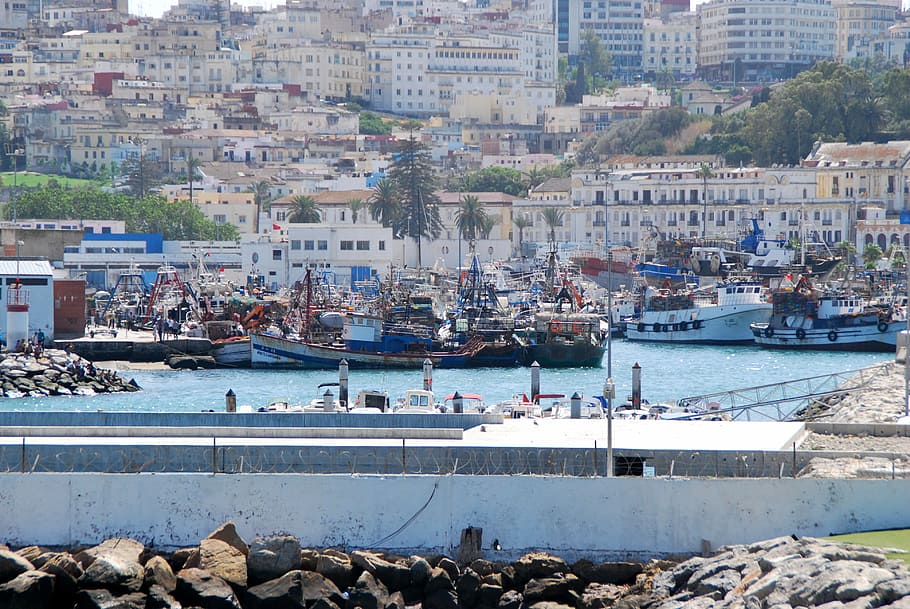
40, 179
897, 538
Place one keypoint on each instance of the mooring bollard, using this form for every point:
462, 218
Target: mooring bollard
636, 386
535, 382
457, 403
575, 406
343, 384
230, 401
427, 375
328, 401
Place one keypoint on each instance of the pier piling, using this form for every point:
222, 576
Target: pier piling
575, 406
230, 401
535, 382
457, 403
427, 375
636, 386
328, 401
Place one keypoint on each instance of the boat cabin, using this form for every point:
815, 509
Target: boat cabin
418, 401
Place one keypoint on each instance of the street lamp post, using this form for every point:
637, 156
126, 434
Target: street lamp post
609, 388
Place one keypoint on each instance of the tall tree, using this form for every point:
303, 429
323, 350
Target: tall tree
356, 206
521, 222
495, 179
192, 170
553, 217
415, 182
469, 217
383, 203
304, 210
261, 197
487, 225
594, 56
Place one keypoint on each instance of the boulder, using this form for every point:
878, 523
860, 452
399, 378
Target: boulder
103, 599
308, 560
178, 559
27, 590
66, 572
511, 599
337, 568
368, 593
489, 595
468, 588
420, 571
718, 585
122, 549
600, 596
159, 598
115, 568
199, 588
227, 533
285, 592
448, 565
537, 565
441, 599
323, 603
272, 557
221, 560
12, 565
618, 573
550, 589
396, 601
439, 580
30, 553
483, 567
159, 573
394, 576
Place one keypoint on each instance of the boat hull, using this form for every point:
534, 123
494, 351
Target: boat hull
234, 353
721, 325
855, 338
272, 351
558, 355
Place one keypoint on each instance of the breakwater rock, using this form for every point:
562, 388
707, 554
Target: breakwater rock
225, 572
56, 372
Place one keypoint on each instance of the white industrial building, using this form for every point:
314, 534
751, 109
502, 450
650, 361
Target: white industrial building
37, 278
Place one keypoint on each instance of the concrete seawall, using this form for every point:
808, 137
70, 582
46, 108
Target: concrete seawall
574, 517
138, 349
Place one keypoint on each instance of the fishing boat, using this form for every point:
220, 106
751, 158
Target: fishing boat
230, 347
804, 317
602, 270
722, 315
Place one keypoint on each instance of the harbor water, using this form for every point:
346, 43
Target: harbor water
669, 372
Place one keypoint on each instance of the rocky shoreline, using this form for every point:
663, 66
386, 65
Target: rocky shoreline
56, 372
275, 572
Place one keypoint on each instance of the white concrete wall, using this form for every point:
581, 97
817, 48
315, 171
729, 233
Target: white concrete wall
624, 517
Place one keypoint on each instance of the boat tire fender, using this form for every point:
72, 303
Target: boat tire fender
555, 326
641, 327
769, 332
697, 324
800, 333
657, 328
684, 326
882, 326
832, 335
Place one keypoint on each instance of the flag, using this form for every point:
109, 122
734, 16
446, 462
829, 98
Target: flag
276, 227
221, 270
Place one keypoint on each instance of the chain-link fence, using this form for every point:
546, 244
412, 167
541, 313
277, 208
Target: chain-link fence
422, 460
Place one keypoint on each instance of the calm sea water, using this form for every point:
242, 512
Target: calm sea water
669, 372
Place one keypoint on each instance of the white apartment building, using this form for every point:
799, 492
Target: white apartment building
670, 45
342, 252
763, 40
618, 23
421, 69
861, 24
323, 70
895, 45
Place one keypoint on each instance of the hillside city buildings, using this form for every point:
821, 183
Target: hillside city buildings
260, 96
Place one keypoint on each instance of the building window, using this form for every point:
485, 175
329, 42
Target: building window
295, 244
276, 254
382, 246
322, 245
219, 218
308, 245
347, 246
363, 246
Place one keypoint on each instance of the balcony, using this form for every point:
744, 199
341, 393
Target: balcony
625, 223
600, 222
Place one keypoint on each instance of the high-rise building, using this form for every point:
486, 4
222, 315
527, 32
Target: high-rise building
862, 23
618, 23
763, 40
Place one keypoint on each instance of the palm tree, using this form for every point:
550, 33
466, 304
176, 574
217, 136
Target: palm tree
487, 225
383, 203
871, 255
356, 205
553, 217
304, 210
521, 222
261, 196
704, 172
192, 168
469, 217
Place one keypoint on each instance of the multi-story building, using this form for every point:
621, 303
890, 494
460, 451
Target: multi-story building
763, 40
321, 70
861, 24
895, 46
670, 45
618, 23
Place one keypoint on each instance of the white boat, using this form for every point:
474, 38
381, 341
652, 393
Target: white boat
418, 401
720, 317
234, 352
805, 318
590, 408
470, 402
517, 407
